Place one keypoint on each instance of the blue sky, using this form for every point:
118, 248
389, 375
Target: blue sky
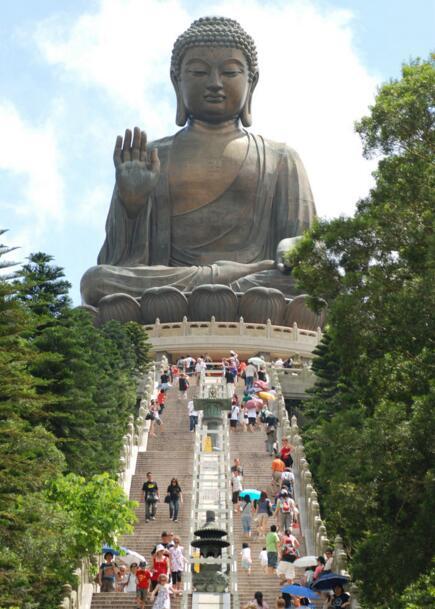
74, 74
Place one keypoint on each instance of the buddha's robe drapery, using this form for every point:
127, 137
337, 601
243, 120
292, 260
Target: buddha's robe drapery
269, 200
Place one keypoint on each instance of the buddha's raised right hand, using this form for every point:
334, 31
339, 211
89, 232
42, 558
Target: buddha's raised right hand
137, 173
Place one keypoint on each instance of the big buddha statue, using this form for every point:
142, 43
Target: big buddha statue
213, 203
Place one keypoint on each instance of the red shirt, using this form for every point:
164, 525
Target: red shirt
159, 567
161, 398
285, 452
143, 578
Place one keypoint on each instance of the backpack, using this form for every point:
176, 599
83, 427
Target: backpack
285, 507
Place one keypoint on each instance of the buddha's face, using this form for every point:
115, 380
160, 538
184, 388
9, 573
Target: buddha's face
214, 83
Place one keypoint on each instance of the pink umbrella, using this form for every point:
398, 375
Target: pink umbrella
250, 404
261, 384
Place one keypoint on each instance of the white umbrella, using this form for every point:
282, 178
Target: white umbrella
257, 361
306, 561
131, 557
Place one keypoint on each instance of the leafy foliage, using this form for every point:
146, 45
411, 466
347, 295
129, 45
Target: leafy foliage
370, 426
67, 390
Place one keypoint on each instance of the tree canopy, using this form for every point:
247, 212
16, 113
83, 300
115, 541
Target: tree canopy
67, 390
370, 425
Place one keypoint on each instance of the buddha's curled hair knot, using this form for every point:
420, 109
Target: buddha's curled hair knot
215, 31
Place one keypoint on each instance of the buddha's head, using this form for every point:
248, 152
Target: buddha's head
214, 72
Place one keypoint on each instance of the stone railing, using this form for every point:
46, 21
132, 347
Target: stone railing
316, 537
295, 381
211, 490
216, 336
135, 440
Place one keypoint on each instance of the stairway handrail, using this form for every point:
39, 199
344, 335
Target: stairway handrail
320, 542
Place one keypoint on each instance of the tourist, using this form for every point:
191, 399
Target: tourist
181, 364
131, 583
252, 418
237, 466
319, 569
285, 452
288, 363
237, 486
262, 376
160, 565
259, 602
246, 510
340, 598
279, 363
107, 573
263, 512
143, 577
278, 466
307, 578
161, 593
285, 568
272, 541
166, 540
329, 557
165, 380
230, 376
121, 578
157, 418
263, 559
246, 558
174, 497
242, 417
161, 399
193, 415
183, 386
151, 497
234, 417
177, 562
200, 366
270, 438
150, 416
250, 375
285, 510
288, 480
174, 373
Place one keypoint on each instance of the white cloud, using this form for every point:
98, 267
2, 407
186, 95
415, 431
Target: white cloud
29, 156
312, 86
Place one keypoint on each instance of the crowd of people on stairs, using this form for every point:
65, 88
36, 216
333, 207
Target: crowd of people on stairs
270, 515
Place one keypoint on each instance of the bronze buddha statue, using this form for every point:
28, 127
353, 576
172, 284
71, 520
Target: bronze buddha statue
212, 204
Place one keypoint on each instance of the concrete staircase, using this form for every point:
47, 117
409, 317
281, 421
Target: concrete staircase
250, 448
168, 455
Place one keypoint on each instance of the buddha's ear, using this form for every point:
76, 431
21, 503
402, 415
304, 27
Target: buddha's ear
246, 114
181, 116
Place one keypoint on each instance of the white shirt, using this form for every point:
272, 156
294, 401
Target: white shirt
246, 554
235, 413
131, 583
250, 370
237, 484
263, 557
288, 476
191, 409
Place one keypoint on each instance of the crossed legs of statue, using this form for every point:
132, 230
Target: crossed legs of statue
102, 280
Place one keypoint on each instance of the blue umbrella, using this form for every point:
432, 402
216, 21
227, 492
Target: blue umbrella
296, 590
106, 549
329, 580
253, 494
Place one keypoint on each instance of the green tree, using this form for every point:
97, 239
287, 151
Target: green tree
370, 427
42, 286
